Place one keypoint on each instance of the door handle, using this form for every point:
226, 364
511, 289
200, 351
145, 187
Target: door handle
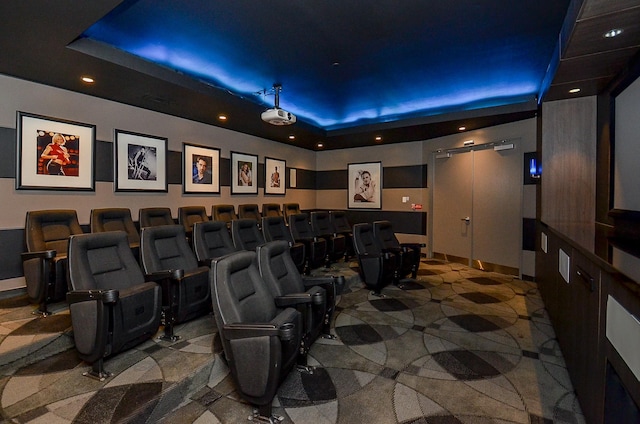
466, 220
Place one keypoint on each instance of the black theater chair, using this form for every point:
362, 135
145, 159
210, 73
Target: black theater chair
279, 272
322, 227
409, 253
153, 217
302, 233
116, 219
211, 239
112, 307
273, 229
249, 210
46, 235
189, 215
271, 209
260, 341
245, 234
377, 268
342, 226
224, 213
289, 209
185, 293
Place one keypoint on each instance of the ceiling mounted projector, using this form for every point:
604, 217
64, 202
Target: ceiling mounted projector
277, 116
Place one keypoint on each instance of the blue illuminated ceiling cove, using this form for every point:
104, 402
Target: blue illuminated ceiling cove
345, 63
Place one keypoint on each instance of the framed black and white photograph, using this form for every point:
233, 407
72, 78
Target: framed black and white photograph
200, 169
274, 178
365, 185
54, 154
140, 162
244, 173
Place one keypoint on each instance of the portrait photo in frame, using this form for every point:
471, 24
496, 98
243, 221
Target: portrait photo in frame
275, 176
200, 169
365, 185
244, 173
140, 162
54, 154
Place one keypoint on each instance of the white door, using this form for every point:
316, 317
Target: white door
485, 186
452, 200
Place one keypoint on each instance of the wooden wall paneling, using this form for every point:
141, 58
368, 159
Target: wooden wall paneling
569, 161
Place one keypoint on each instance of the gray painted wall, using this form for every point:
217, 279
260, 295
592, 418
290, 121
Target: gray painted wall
19, 95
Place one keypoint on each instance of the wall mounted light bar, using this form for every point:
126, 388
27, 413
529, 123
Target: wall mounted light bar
505, 144
503, 147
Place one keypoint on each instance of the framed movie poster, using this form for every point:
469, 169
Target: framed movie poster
200, 169
54, 154
244, 173
140, 162
274, 178
365, 185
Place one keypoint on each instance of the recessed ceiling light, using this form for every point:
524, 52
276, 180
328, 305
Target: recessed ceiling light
613, 33
88, 80
320, 145
378, 138
222, 117
292, 137
462, 128
574, 90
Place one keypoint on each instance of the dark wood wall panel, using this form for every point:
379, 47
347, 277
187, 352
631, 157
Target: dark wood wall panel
174, 167
332, 180
529, 234
405, 176
12, 242
8, 156
569, 160
104, 161
305, 179
604, 182
414, 176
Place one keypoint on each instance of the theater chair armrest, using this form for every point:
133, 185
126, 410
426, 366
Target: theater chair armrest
250, 330
322, 281
43, 254
292, 299
333, 284
104, 296
169, 274
205, 262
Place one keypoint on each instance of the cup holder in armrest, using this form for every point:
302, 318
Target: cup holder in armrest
287, 331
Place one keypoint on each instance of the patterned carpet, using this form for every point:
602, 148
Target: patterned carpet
457, 345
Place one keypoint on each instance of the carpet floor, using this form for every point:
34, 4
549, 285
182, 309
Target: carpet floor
456, 345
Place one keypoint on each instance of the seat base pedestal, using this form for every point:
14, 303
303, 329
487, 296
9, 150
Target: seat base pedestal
97, 371
266, 416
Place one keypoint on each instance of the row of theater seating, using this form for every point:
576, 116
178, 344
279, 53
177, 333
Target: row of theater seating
47, 233
316, 240
116, 300
267, 314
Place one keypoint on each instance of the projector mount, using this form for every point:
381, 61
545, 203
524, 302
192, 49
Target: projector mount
276, 115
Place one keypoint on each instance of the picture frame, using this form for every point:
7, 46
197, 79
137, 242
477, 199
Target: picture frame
140, 162
244, 173
365, 185
200, 169
54, 154
275, 176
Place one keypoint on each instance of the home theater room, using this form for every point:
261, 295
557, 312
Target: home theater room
325, 212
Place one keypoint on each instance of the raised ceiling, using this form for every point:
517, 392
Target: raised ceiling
350, 70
